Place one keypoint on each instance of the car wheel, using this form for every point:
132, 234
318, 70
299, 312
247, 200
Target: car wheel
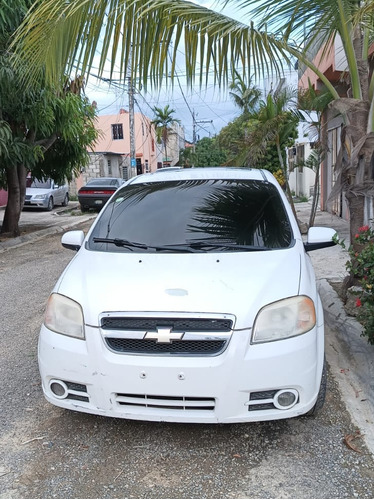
321, 394
50, 204
84, 209
66, 200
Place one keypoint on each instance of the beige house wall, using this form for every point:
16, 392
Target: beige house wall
176, 142
110, 156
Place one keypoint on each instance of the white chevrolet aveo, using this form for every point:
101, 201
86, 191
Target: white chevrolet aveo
191, 299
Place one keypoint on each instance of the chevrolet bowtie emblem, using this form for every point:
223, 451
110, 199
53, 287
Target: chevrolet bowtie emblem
163, 335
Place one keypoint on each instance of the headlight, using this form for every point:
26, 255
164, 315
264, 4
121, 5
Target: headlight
64, 316
40, 196
284, 319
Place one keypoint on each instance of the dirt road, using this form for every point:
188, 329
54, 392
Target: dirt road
47, 452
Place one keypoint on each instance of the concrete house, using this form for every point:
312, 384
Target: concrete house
110, 156
175, 142
333, 64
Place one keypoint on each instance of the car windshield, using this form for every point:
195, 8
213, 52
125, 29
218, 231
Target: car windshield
193, 215
103, 182
44, 183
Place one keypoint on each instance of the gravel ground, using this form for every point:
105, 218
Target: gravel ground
47, 452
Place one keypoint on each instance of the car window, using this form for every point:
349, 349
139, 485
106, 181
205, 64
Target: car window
44, 183
103, 182
235, 212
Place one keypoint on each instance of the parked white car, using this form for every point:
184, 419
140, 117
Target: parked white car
46, 193
191, 299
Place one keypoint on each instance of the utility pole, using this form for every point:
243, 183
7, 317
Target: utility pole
194, 136
194, 123
132, 130
193, 130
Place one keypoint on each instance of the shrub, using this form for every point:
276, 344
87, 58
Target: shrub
361, 267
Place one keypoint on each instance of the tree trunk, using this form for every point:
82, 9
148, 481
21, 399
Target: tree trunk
16, 181
315, 197
356, 213
284, 170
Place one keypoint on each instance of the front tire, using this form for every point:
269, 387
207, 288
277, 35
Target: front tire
321, 393
50, 204
66, 200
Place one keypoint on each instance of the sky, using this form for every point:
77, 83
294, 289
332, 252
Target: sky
213, 107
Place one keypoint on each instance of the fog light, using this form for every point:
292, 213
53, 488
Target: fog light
58, 388
286, 399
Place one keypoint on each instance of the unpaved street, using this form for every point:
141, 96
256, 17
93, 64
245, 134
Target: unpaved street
47, 452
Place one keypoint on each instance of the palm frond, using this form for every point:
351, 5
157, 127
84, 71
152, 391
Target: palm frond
135, 35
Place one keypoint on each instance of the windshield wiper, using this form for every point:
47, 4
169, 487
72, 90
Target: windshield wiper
234, 246
118, 242
194, 246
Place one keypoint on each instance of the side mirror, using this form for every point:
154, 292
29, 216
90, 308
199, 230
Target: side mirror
319, 237
72, 240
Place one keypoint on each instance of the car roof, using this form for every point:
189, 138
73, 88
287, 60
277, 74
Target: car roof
204, 173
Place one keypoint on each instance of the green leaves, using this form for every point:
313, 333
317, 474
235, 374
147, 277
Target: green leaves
136, 35
163, 123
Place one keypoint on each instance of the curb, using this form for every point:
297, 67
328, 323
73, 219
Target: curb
351, 361
38, 235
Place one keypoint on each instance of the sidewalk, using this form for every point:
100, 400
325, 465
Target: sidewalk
62, 221
350, 357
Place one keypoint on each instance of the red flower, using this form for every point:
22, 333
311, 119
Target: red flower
358, 303
363, 229
357, 236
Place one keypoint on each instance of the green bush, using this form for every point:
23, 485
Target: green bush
361, 267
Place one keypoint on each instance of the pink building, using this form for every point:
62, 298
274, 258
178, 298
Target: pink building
333, 64
3, 197
110, 155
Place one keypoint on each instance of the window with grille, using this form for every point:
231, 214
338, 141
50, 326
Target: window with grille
117, 131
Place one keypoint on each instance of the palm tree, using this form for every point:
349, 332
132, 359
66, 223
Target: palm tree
163, 122
311, 100
245, 96
60, 35
273, 124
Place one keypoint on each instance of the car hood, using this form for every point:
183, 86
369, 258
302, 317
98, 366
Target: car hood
34, 191
231, 283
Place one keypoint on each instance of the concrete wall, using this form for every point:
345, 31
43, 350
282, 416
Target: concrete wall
147, 150
301, 181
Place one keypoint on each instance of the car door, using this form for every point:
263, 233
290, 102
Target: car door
58, 192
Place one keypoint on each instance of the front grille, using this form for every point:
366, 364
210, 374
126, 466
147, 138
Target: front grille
77, 397
180, 403
263, 406
262, 400
73, 386
28, 197
262, 395
75, 391
176, 324
185, 347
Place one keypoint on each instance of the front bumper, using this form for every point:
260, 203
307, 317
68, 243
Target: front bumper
212, 389
96, 202
42, 203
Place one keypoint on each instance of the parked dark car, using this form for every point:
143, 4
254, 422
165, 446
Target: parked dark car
97, 192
